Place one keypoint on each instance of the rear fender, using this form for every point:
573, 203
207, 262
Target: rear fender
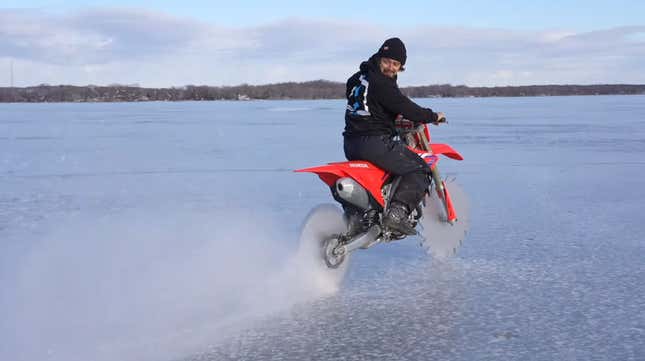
365, 173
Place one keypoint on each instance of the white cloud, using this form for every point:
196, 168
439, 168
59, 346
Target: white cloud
103, 46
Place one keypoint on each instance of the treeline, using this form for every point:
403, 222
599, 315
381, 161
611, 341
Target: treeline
449, 91
319, 89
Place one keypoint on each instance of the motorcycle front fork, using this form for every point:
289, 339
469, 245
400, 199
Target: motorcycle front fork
444, 196
436, 178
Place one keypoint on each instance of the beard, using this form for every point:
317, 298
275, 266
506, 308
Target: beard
388, 73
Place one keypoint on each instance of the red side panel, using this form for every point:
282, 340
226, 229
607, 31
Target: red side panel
446, 150
430, 159
365, 173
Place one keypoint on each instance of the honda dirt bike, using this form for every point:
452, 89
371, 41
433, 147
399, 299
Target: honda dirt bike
364, 192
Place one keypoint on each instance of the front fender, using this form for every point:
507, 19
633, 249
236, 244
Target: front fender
446, 150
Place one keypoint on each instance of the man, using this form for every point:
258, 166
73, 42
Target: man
373, 103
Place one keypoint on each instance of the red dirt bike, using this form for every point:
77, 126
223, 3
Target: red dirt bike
364, 191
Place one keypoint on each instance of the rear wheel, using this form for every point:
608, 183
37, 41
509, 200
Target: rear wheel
321, 236
331, 252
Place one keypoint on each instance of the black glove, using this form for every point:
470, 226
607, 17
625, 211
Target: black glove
441, 118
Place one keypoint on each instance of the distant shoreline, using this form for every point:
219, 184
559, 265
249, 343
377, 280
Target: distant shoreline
318, 89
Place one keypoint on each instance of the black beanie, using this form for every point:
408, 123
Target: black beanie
393, 48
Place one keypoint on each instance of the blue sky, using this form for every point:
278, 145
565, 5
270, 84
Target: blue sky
163, 43
539, 14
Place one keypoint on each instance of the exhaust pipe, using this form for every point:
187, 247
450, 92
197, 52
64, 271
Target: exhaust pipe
352, 192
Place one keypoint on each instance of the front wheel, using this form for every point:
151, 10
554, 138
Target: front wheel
441, 238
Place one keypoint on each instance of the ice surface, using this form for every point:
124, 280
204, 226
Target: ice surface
159, 231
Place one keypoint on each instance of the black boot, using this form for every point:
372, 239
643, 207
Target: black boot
397, 219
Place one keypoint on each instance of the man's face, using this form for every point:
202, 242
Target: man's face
389, 67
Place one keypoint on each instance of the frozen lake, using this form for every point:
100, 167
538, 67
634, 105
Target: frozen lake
167, 231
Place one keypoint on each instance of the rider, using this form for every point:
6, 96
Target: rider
373, 103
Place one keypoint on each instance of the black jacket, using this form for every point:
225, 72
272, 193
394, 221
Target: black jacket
374, 101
